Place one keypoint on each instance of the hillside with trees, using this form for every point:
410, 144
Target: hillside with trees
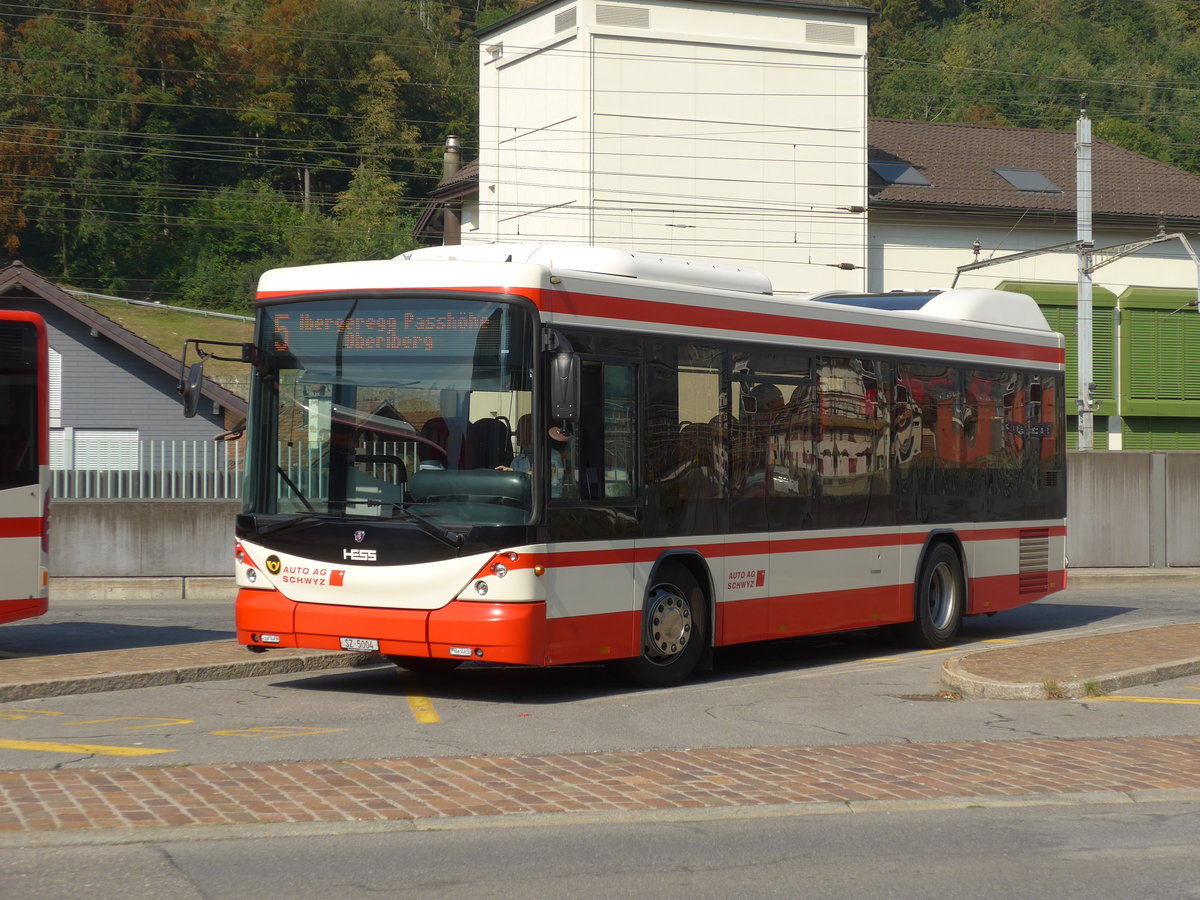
177, 148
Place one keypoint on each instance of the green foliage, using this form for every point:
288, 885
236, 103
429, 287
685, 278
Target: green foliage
240, 232
1132, 136
189, 144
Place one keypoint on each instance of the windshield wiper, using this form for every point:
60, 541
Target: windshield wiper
431, 528
289, 524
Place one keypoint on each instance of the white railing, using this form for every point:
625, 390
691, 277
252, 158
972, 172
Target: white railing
164, 470
212, 470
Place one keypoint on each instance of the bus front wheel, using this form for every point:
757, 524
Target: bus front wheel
939, 599
674, 629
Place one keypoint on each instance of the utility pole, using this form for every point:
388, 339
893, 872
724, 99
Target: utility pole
1083, 234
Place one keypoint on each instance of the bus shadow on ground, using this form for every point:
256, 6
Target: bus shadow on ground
547, 686
478, 682
58, 638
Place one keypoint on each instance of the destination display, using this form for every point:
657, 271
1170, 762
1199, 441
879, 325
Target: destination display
398, 327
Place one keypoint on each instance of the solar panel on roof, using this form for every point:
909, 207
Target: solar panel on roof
899, 173
1029, 180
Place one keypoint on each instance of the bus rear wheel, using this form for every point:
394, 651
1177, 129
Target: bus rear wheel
939, 599
674, 628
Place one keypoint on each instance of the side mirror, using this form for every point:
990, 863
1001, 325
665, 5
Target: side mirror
189, 387
564, 386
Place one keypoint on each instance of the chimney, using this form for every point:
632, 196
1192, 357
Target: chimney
451, 210
451, 158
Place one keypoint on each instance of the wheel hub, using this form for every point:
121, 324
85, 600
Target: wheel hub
668, 626
942, 595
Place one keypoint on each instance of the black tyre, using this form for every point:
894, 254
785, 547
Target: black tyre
425, 665
939, 599
674, 629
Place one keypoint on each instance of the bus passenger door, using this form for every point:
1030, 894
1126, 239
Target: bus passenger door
593, 519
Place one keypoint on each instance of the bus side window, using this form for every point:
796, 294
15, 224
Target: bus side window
607, 431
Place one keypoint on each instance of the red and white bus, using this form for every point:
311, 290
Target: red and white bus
546, 455
24, 466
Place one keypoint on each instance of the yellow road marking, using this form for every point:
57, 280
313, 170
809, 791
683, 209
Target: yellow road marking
275, 731
422, 710
55, 747
157, 720
939, 650
998, 641
1148, 700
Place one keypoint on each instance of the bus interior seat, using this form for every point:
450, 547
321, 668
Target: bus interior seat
449, 434
489, 444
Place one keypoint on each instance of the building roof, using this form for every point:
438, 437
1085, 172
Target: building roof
17, 279
961, 166
464, 183
792, 5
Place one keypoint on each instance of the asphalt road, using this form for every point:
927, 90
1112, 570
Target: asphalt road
849, 690
1071, 851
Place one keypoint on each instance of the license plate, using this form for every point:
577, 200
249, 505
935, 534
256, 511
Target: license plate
369, 645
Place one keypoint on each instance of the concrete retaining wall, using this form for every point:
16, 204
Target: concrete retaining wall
141, 549
1133, 509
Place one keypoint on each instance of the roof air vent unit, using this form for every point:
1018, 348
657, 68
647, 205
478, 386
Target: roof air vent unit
623, 16
824, 33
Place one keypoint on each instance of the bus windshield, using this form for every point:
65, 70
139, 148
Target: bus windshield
396, 407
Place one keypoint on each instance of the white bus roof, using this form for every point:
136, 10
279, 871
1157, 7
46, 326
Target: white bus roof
607, 261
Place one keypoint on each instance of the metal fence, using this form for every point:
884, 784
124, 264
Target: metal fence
213, 470
160, 470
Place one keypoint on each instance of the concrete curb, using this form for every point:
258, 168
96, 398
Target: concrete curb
159, 834
972, 687
1142, 577
254, 665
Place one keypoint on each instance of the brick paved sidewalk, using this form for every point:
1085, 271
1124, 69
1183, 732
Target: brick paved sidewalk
1038, 670
409, 789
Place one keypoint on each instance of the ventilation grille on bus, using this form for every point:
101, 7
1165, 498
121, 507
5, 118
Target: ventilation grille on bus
1035, 561
1051, 478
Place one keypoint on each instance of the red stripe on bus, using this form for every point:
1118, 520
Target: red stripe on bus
599, 306
21, 528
